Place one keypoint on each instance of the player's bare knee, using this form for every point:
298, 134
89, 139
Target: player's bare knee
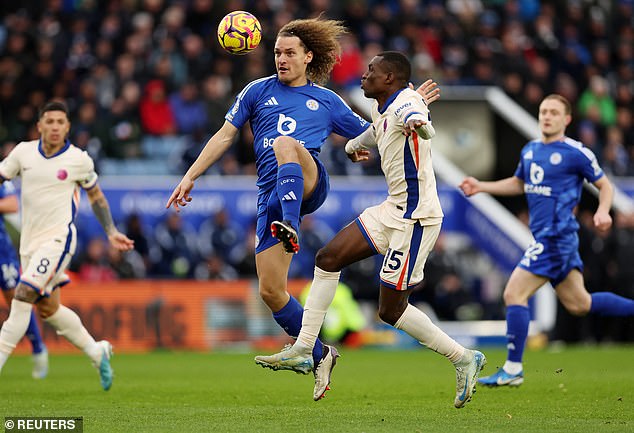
389, 315
511, 298
25, 294
272, 297
327, 260
44, 311
285, 149
577, 308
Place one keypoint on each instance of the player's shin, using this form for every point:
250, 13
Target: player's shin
322, 292
68, 324
290, 319
419, 325
14, 328
290, 190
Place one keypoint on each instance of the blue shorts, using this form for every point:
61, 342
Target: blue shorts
270, 207
553, 257
9, 274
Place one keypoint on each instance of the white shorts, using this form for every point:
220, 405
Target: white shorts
43, 271
405, 244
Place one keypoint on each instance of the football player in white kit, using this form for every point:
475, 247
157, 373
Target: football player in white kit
404, 227
52, 171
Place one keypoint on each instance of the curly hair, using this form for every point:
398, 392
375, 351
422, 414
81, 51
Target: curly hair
322, 38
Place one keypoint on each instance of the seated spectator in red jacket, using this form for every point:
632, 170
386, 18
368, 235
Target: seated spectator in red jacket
156, 114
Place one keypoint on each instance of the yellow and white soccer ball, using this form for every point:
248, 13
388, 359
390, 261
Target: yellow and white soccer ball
239, 32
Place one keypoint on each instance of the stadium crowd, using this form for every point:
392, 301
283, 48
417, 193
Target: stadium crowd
147, 82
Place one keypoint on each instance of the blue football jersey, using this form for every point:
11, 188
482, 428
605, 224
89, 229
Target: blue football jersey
553, 175
7, 251
307, 113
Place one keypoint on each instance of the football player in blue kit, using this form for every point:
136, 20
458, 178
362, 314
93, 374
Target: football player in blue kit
291, 116
550, 173
9, 276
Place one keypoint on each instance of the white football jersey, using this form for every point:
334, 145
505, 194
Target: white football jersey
49, 192
406, 161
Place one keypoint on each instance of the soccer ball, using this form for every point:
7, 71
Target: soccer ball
239, 32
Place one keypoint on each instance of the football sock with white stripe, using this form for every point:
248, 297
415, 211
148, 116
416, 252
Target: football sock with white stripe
322, 292
419, 325
290, 190
14, 328
290, 319
68, 324
517, 321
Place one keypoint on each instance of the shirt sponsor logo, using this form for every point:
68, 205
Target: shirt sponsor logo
536, 173
402, 107
538, 189
62, 174
286, 125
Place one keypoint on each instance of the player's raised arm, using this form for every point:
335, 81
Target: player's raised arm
213, 150
101, 209
510, 186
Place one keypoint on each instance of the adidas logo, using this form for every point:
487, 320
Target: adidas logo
271, 101
290, 196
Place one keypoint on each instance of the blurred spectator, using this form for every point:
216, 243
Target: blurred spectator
215, 268
189, 110
177, 253
222, 236
596, 99
128, 265
92, 264
157, 117
136, 231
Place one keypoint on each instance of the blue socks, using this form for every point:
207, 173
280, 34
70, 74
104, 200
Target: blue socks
609, 304
290, 319
290, 190
33, 334
517, 320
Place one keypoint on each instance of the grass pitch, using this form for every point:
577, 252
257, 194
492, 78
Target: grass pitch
575, 390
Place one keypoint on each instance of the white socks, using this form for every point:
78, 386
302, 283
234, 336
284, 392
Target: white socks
14, 328
418, 325
512, 367
321, 294
68, 324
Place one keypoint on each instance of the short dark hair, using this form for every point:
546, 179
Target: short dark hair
562, 99
54, 106
396, 63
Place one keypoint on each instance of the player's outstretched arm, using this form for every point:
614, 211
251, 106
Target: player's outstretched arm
429, 90
510, 186
357, 148
602, 218
101, 209
213, 150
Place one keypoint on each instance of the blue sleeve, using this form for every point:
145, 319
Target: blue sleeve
346, 122
240, 111
590, 168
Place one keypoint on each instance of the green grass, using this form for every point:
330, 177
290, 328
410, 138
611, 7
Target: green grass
575, 390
